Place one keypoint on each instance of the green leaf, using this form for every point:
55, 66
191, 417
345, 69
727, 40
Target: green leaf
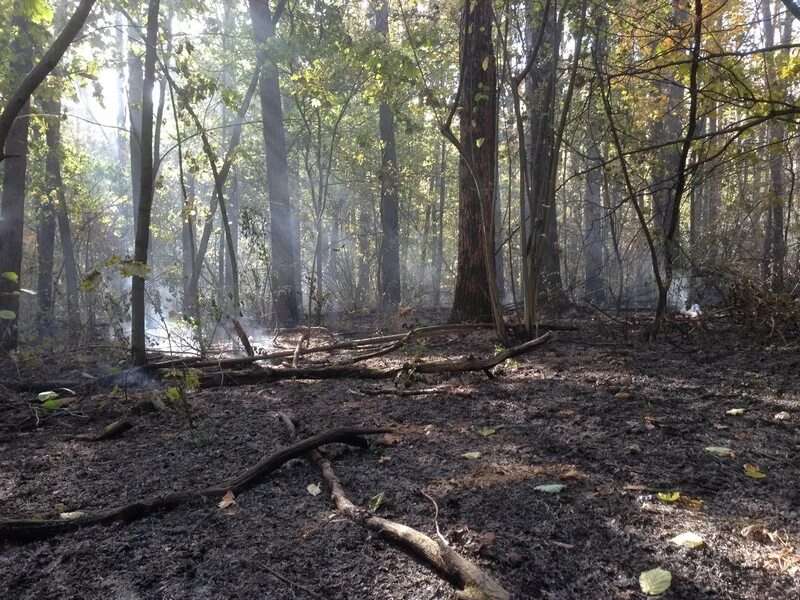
38, 11
51, 404
133, 268
8, 315
91, 281
550, 488
720, 451
471, 455
754, 471
485, 64
655, 581
375, 502
486, 431
45, 396
688, 540
669, 496
11, 276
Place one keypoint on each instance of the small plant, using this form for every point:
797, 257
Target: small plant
184, 380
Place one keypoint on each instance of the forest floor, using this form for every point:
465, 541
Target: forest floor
600, 411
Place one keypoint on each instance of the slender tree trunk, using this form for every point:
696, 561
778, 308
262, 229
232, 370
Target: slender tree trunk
389, 259
142, 236
285, 294
438, 248
46, 227
593, 259
12, 204
472, 296
135, 95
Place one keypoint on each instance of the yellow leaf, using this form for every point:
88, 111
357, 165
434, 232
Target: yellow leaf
655, 581
688, 540
479, 142
485, 64
669, 496
754, 471
228, 500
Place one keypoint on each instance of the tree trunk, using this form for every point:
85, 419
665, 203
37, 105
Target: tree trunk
389, 253
285, 294
439, 247
142, 236
135, 95
472, 296
46, 227
12, 205
593, 258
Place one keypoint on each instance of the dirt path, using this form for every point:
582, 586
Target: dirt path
612, 419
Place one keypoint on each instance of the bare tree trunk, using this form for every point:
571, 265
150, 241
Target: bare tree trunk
475, 270
142, 236
389, 259
284, 292
12, 204
135, 95
439, 247
594, 246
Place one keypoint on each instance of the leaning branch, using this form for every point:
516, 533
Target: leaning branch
43, 68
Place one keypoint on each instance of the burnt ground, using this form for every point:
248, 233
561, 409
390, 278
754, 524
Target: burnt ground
600, 411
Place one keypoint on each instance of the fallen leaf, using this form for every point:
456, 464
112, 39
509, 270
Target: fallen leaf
669, 496
571, 473
735, 412
567, 412
688, 540
228, 500
633, 449
655, 581
486, 431
757, 533
45, 396
71, 516
550, 488
471, 455
622, 396
783, 416
563, 545
720, 451
741, 436
754, 471
314, 489
515, 558
375, 502
384, 459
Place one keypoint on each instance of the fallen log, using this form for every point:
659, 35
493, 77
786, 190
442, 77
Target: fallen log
24, 530
470, 581
114, 430
337, 371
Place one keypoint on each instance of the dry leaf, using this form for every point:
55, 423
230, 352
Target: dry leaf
228, 500
391, 439
655, 581
71, 516
735, 412
720, 451
688, 540
783, 416
754, 471
622, 396
635, 487
314, 489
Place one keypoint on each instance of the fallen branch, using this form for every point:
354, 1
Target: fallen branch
24, 530
269, 375
114, 430
462, 573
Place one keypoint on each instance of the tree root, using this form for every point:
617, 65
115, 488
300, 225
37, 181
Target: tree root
463, 574
24, 530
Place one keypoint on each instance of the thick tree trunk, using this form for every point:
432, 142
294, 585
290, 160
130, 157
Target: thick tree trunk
142, 238
12, 205
285, 294
472, 297
389, 259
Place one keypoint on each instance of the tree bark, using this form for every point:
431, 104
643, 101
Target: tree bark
285, 294
12, 205
593, 230
472, 300
142, 238
389, 259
